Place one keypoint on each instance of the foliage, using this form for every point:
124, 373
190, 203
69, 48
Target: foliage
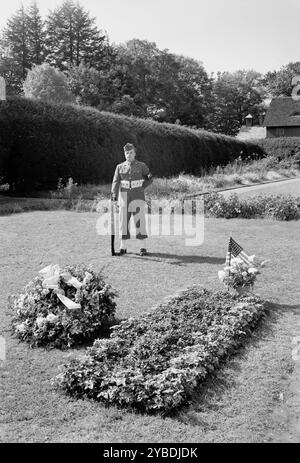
22, 45
280, 207
279, 83
41, 319
155, 362
67, 36
145, 81
135, 78
281, 147
44, 142
36, 35
15, 49
90, 86
73, 37
66, 189
234, 97
46, 83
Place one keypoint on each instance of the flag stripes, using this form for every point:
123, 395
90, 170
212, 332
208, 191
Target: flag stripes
235, 250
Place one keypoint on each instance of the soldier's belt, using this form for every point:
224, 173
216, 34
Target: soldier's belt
131, 184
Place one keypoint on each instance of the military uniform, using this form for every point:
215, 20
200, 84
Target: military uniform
129, 182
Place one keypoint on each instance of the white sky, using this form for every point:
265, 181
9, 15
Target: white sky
224, 34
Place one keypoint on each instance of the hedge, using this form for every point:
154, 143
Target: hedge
41, 142
281, 147
156, 361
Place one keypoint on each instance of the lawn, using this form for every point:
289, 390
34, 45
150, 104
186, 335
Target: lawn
241, 403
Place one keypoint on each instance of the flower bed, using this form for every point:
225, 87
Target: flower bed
155, 362
42, 319
280, 207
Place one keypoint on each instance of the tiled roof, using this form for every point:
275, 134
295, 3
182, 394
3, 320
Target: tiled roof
282, 112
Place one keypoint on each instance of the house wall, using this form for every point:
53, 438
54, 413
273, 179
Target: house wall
283, 131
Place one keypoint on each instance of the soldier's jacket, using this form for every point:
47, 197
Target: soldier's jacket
126, 176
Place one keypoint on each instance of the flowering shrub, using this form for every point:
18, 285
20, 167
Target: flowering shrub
239, 273
280, 207
42, 319
154, 362
219, 206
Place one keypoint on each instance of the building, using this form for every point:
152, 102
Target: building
283, 118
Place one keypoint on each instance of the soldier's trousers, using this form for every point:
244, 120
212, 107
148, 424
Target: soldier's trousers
135, 209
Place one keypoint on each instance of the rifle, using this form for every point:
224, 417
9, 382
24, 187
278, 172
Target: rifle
112, 227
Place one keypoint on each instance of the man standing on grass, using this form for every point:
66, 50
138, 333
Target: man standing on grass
130, 179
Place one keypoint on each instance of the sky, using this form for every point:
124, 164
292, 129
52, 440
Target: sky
225, 35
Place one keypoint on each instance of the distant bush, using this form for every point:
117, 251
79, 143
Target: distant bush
45, 82
280, 207
155, 362
281, 147
41, 143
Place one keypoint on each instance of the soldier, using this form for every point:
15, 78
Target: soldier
130, 179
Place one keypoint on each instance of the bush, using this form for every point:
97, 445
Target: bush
281, 147
41, 319
155, 362
45, 82
280, 207
45, 142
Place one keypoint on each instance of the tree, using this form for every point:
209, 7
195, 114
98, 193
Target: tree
279, 83
21, 46
36, 35
90, 86
161, 85
234, 96
47, 83
73, 37
15, 49
192, 92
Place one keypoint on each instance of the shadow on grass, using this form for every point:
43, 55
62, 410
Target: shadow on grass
209, 394
177, 259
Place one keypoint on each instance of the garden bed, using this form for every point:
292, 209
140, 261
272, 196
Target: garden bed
279, 207
156, 361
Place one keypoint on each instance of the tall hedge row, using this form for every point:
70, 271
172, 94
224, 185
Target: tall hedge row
40, 142
281, 147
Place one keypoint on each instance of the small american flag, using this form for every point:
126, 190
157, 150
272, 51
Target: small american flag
235, 250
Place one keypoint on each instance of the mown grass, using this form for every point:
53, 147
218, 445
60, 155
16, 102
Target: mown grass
238, 404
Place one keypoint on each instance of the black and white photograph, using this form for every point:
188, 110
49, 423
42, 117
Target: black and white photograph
149, 225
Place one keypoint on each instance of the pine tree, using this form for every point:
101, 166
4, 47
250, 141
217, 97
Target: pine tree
73, 37
14, 46
21, 46
36, 35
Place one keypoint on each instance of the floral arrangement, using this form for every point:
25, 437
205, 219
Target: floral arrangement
155, 362
239, 273
62, 307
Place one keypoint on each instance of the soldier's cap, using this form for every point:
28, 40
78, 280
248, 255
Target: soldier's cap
129, 147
